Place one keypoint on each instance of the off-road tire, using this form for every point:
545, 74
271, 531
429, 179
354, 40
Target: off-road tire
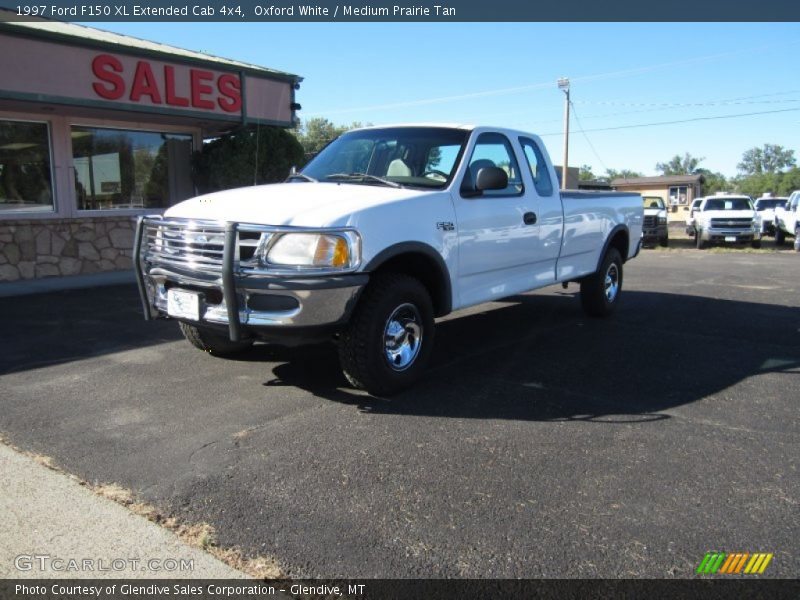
362, 345
212, 342
594, 298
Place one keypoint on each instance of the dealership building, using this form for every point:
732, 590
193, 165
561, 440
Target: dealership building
97, 128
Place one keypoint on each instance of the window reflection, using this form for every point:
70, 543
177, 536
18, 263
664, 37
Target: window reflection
118, 169
26, 182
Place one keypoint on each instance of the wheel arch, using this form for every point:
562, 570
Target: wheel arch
618, 238
422, 261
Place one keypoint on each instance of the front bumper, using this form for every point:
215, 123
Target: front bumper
722, 235
654, 234
244, 302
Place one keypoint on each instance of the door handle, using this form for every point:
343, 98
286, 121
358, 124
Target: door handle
529, 218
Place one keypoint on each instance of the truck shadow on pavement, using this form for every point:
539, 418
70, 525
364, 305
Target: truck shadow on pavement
539, 358
70, 325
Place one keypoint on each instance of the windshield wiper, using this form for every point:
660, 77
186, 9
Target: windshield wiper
364, 176
303, 176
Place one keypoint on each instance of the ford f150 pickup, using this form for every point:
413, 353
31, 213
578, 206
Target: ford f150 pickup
727, 220
384, 230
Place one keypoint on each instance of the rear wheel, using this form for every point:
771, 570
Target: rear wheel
388, 341
212, 341
600, 292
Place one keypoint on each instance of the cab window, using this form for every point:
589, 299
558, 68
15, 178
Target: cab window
493, 150
538, 167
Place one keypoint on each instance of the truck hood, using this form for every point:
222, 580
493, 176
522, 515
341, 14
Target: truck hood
660, 212
303, 204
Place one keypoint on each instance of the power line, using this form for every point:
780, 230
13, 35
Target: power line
586, 137
548, 84
655, 124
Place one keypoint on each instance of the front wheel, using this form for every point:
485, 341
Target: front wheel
699, 243
388, 341
780, 236
755, 244
211, 341
663, 242
600, 292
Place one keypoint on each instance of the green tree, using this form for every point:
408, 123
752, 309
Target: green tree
770, 158
680, 165
612, 174
316, 133
586, 174
713, 182
790, 181
230, 161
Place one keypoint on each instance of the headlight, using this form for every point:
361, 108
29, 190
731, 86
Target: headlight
310, 250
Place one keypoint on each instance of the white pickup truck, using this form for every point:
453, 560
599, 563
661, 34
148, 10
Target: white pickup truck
725, 219
787, 221
384, 230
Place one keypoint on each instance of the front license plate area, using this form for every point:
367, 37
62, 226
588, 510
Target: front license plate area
730, 238
182, 304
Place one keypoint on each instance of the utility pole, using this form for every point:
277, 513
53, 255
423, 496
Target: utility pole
563, 85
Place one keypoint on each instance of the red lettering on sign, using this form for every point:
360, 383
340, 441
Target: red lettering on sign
144, 83
106, 67
207, 90
230, 89
169, 81
200, 88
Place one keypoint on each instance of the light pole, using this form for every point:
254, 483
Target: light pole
563, 85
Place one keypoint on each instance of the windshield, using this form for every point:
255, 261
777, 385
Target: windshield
772, 203
728, 204
397, 156
653, 202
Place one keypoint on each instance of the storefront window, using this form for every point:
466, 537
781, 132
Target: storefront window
26, 182
118, 169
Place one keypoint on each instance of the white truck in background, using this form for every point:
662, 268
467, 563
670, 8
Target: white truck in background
765, 206
727, 219
384, 230
787, 221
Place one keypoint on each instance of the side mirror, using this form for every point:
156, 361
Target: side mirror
491, 178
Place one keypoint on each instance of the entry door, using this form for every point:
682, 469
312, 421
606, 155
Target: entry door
496, 245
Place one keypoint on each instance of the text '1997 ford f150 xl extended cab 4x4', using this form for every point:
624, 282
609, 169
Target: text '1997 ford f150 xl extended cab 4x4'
384, 230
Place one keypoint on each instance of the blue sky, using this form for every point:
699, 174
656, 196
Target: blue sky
505, 74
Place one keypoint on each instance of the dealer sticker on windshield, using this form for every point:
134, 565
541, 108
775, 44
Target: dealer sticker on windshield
183, 305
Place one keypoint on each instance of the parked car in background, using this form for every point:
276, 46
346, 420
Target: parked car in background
655, 221
727, 220
692, 211
786, 221
765, 206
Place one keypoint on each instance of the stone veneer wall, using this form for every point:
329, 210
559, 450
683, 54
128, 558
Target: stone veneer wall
46, 248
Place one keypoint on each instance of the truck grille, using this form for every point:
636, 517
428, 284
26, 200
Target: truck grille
193, 245
732, 223
650, 221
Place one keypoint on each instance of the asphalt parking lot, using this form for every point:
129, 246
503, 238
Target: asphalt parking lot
540, 444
